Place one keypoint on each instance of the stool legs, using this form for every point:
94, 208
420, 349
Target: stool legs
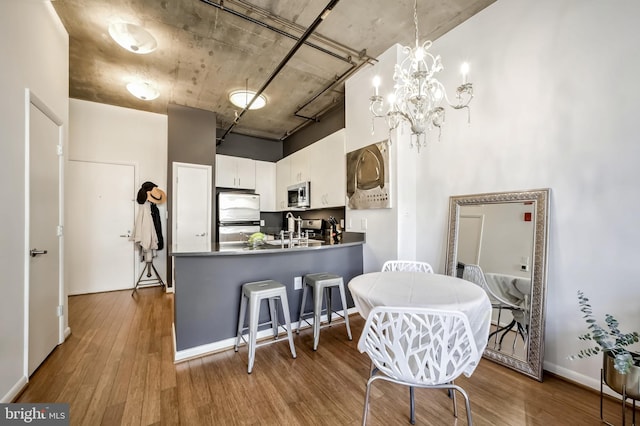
343, 297
302, 305
253, 294
287, 320
243, 310
323, 283
317, 311
273, 313
254, 312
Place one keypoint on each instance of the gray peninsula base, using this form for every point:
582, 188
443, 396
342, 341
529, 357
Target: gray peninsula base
207, 290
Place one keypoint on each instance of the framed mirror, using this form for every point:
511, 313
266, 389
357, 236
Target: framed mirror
499, 241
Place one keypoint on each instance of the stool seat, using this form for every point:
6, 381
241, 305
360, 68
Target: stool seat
254, 293
319, 283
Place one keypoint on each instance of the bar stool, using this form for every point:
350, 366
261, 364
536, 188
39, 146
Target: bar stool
255, 292
320, 282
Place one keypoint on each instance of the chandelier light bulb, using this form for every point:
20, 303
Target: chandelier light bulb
464, 70
376, 84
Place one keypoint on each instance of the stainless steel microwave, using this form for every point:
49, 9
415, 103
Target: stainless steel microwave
299, 196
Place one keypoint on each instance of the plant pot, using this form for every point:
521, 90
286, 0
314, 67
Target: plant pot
615, 380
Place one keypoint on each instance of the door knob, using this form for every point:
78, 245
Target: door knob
127, 235
35, 252
201, 235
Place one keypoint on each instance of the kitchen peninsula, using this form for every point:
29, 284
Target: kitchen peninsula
208, 285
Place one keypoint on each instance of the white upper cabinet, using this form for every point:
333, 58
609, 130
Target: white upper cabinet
266, 185
235, 172
283, 179
300, 166
328, 171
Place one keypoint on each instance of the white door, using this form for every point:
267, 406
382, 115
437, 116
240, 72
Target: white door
44, 243
470, 238
100, 216
191, 207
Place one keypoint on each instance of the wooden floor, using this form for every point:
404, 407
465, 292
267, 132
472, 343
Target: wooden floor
116, 368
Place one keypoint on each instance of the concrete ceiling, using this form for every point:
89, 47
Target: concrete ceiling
207, 48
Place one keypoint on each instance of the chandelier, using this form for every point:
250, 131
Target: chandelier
417, 94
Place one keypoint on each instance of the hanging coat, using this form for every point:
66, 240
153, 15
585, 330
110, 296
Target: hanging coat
157, 224
144, 232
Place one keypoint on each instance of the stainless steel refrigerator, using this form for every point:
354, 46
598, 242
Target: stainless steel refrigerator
238, 216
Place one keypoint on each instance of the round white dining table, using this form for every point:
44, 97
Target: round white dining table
419, 289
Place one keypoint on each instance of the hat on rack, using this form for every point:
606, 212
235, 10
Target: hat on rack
156, 196
142, 192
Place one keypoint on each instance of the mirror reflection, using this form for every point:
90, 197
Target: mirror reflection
498, 241
495, 247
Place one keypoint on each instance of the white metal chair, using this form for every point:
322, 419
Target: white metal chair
421, 347
475, 274
407, 265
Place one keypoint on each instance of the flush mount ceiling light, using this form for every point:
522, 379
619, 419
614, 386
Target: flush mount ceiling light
241, 99
132, 37
143, 90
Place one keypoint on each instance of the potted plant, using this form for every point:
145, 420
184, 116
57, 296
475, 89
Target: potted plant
620, 365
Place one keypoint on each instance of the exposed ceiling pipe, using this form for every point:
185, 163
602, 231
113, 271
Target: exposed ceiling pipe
221, 6
321, 17
339, 79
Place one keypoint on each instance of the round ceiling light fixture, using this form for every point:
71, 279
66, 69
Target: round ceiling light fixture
241, 99
143, 90
132, 37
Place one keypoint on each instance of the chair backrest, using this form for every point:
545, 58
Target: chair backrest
420, 346
407, 265
475, 274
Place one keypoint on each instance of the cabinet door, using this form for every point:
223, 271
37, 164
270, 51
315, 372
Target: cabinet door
300, 166
266, 185
235, 172
283, 179
328, 171
245, 173
226, 171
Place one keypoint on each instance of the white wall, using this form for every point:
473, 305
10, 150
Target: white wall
389, 232
556, 100
34, 52
109, 134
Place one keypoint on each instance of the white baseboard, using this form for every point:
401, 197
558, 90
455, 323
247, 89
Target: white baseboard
588, 381
226, 344
15, 390
67, 333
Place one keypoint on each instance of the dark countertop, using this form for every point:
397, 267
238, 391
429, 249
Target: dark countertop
348, 239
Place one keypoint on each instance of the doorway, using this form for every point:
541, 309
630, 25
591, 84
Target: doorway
100, 215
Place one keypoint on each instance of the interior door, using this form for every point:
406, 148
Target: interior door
44, 244
192, 194
470, 238
100, 217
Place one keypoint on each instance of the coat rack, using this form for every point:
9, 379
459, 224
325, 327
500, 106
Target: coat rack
148, 281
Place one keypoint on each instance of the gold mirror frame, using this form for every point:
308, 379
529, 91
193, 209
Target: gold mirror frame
532, 366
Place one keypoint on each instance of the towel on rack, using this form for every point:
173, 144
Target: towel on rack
144, 232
